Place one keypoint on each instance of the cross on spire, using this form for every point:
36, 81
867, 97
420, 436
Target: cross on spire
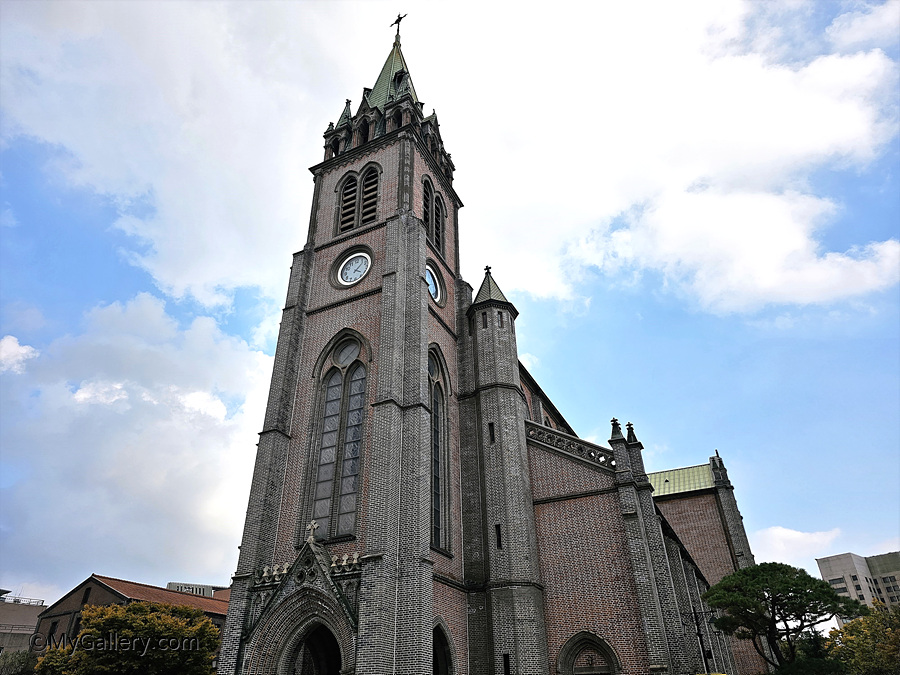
487, 269
397, 22
311, 528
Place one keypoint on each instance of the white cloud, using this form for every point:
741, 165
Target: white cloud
198, 119
205, 403
781, 544
164, 109
875, 25
23, 316
8, 218
13, 355
530, 361
736, 251
133, 439
101, 392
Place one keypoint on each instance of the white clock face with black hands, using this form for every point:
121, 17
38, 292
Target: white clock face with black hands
353, 269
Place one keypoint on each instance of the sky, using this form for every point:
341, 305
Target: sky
694, 206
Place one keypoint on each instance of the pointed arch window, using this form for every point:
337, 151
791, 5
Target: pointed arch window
438, 236
433, 215
428, 207
340, 440
439, 455
363, 132
358, 203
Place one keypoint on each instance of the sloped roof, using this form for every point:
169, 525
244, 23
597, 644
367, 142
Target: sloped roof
386, 84
685, 479
489, 291
143, 592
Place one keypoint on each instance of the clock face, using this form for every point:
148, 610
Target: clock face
354, 268
433, 288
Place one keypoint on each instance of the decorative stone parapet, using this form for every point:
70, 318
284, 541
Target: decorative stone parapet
570, 444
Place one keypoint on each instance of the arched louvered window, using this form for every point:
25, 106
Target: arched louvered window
359, 200
433, 214
439, 213
398, 119
370, 196
348, 204
439, 498
428, 208
340, 442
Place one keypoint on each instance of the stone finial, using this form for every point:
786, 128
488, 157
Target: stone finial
616, 430
311, 529
632, 437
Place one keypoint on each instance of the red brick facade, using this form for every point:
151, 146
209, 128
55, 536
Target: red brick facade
488, 539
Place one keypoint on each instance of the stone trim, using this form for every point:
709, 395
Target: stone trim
437, 316
345, 301
575, 495
570, 445
351, 234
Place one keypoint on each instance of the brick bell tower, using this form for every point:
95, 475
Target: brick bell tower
352, 553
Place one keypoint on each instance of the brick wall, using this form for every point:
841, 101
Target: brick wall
588, 580
697, 519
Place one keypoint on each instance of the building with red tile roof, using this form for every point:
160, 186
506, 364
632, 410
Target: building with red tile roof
64, 615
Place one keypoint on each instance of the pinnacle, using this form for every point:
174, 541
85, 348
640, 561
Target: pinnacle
489, 289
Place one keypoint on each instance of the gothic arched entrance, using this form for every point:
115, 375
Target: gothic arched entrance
587, 654
443, 663
318, 654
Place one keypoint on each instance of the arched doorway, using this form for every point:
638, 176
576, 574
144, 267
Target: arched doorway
587, 654
590, 661
318, 654
443, 663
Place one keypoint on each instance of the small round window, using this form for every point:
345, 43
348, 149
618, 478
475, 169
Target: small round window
346, 352
434, 284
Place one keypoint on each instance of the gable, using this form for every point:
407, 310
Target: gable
562, 465
101, 594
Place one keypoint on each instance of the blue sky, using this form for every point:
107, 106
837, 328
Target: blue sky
694, 206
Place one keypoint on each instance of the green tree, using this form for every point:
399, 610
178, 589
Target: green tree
773, 604
812, 657
17, 663
869, 645
141, 638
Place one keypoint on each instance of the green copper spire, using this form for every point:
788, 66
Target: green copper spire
393, 81
489, 289
345, 116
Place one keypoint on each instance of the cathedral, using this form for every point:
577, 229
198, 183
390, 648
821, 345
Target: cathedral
418, 505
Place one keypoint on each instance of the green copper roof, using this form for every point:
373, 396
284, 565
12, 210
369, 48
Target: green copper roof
489, 290
345, 115
388, 87
686, 479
